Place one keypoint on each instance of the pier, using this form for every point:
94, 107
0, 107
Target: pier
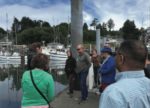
63, 100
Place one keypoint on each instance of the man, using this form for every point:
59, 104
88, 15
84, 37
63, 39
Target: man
107, 69
132, 88
34, 48
70, 67
83, 64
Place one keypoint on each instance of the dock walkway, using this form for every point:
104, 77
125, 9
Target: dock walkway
64, 101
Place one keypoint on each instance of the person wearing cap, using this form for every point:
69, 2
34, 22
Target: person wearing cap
132, 87
107, 69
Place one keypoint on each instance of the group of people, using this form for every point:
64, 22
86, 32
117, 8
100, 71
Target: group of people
122, 79
103, 65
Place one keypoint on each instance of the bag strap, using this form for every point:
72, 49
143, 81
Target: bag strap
39, 90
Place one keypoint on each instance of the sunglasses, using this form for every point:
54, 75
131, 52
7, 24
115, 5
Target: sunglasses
78, 49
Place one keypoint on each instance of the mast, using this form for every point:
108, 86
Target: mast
149, 17
7, 27
68, 35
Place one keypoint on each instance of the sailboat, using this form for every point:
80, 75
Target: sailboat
55, 50
5, 54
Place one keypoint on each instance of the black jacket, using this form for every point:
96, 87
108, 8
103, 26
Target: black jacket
147, 71
30, 55
70, 66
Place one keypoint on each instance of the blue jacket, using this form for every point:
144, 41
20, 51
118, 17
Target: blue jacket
108, 70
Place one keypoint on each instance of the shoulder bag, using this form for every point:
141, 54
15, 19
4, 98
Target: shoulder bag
39, 90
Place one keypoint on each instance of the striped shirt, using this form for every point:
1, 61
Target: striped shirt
132, 90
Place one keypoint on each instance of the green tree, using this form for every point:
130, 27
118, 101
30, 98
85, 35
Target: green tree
45, 24
61, 32
103, 29
16, 25
36, 34
85, 27
110, 24
26, 23
94, 23
89, 36
2, 32
130, 31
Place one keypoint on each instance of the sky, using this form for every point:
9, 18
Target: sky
57, 11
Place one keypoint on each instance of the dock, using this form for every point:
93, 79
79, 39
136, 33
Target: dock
63, 100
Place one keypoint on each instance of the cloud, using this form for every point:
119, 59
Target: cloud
121, 10
33, 3
56, 11
87, 18
54, 14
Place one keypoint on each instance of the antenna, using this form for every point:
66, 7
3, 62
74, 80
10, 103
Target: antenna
54, 30
68, 35
149, 16
7, 26
142, 21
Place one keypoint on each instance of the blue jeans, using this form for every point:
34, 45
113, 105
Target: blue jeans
83, 86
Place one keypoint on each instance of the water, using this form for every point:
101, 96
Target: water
10, 82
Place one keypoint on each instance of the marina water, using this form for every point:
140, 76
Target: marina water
10, 82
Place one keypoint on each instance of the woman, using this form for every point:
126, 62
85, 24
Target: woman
70, 71
43, 80
96, 65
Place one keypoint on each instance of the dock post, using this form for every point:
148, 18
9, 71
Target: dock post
76, 24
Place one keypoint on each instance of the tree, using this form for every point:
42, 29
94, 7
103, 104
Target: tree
130, 31
36, 34
110, 24
45, 24
103, 29
16, 25
62, 32
2, 31
85, 27
89, 36
94, 23
26, 23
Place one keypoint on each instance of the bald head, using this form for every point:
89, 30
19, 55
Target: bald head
80, 46
80, 49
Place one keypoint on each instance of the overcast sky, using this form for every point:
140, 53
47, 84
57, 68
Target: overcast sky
57, 11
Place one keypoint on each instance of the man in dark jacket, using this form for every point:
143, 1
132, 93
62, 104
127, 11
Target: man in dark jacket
70, 71
107, 69
34, 49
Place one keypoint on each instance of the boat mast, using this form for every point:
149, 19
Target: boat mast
149, 17
6, 32
68, 35
7, 27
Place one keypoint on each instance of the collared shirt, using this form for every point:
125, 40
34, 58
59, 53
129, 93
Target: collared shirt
132, 90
